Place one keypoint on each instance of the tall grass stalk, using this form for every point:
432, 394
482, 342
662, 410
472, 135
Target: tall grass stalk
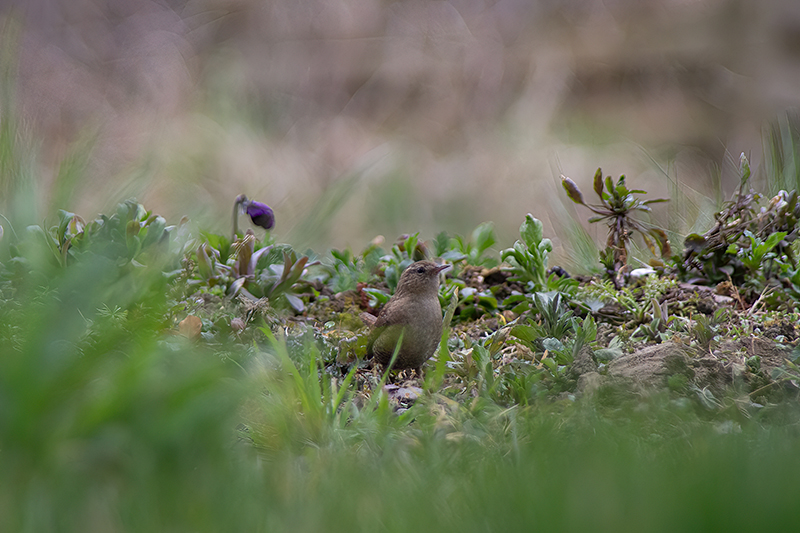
17, 190
781, 148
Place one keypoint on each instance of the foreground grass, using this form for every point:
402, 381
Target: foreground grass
109, 423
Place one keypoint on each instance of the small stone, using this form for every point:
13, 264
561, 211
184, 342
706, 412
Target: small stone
589, 383
190, 327
237, 325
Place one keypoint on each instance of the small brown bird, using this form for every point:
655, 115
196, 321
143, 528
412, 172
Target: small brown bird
414, 310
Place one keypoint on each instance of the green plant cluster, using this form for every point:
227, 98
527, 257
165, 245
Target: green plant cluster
151, 379
617, 206
232, 285
749, 245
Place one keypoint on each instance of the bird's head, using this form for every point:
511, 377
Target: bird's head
421, 277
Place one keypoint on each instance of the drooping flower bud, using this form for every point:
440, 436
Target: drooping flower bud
261, 214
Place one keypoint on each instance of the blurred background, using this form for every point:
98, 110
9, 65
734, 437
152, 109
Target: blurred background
354, 118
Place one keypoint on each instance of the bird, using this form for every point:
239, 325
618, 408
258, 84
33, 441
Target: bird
414, 311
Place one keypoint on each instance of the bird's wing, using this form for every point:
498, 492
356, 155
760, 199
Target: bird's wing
368, 318
382, 323
398, 313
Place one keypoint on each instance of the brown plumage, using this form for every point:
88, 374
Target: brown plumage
414, 310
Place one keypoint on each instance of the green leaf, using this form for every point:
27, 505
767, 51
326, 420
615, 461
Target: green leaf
655, 201
244, 251
155, 231
433, 381
744, 169
344, 256
613, 351
64, 218
609, 185
509, 255
487, 300
48, 241
484, 236
527, 333
410, 246
204, 263
377, 296
441, 243
621, 191
531, 231
774, 239
132, 228
663, 241
754, 241
694, 242
551, 364
649, 243
220, 243
572, 189
294, 301
134, 245
598, 183
658, 314
297, 270
519, 298
453, 256
552, 344
588, 328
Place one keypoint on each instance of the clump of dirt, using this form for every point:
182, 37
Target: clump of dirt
673, 365
652, 365
584, 363
754, 362
343, 309
770, 354
774, 329
496, 279
690, 298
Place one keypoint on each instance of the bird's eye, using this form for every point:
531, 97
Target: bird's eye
421, 270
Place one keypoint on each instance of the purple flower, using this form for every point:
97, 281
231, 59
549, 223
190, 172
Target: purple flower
260, 214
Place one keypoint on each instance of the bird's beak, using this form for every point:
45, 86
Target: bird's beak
442, 268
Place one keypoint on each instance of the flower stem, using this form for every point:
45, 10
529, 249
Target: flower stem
236, 207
